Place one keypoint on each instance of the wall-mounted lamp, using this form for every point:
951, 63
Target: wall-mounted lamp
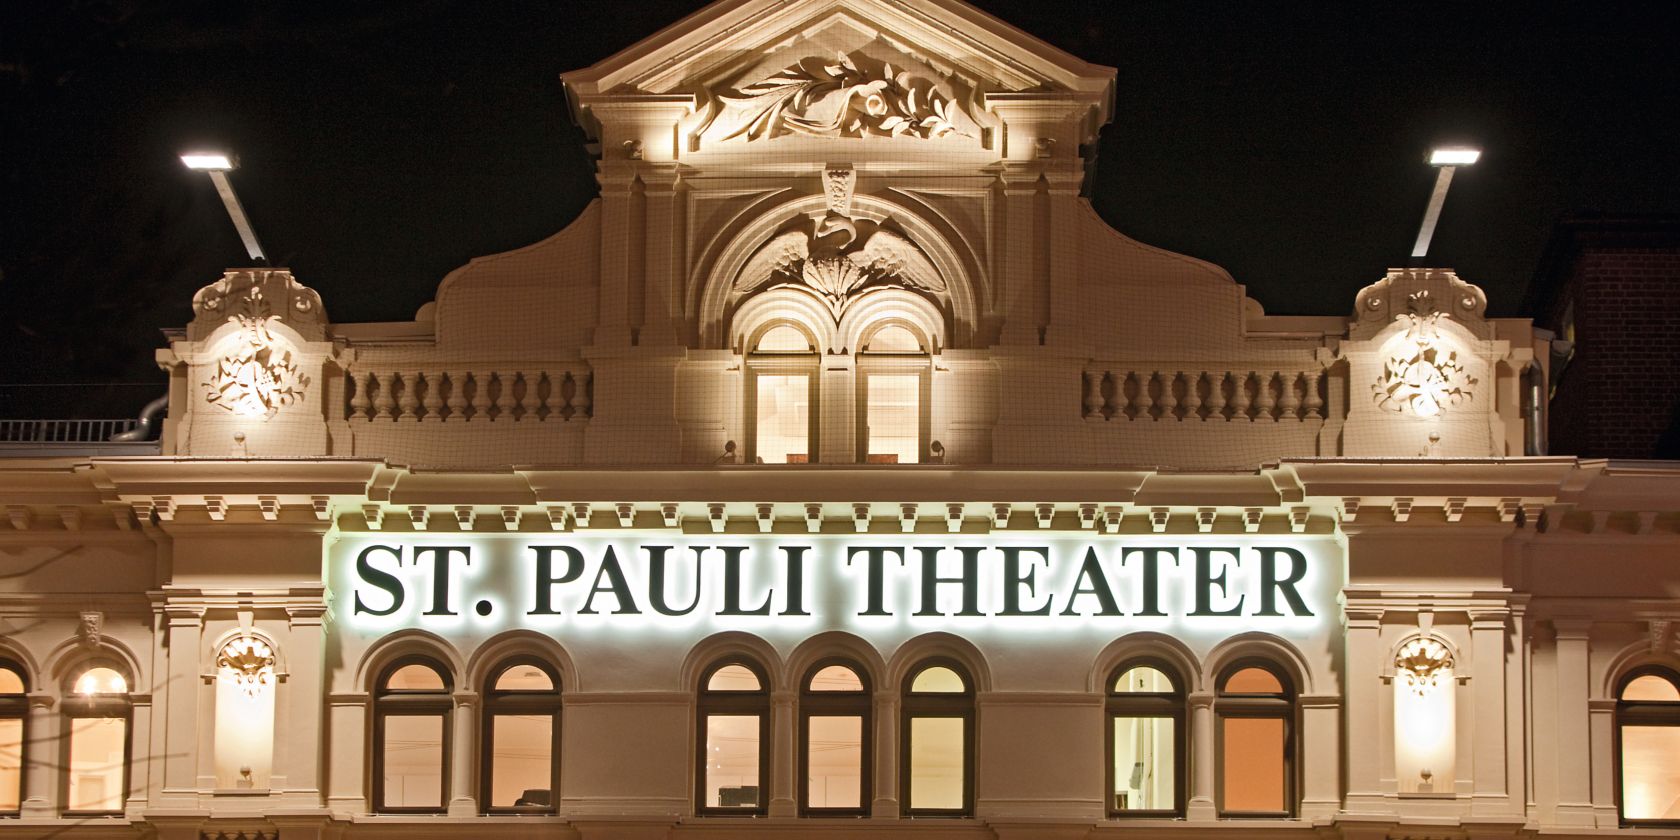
217, 165
1446, 159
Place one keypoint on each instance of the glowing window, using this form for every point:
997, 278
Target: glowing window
784, 339
894, 419
893, 339
938, 723
415, 677
1256, 760
97, 724
732, 773
783, 430
835, 711
14, 707
733, 678
836, 678
521, 720
411, 738
101, 681
1651, 687
1647, 741
938, 680
1146, 745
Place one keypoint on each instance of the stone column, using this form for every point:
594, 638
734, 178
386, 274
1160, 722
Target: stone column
885, 710
1487, 634
783, 773
304, 736
41, 738
1572, 738
660, 305
1201, 804
1364, 690
463, 748
619, 228
346, 747
185, 625
1321, 750
837, 434
1606, 812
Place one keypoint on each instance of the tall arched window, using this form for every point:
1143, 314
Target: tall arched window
834, 736
96, 711
782, 385
936, 762
14, 708
521, 742
1256, 711
733, 740
894, 387
411, 737
1146, 741
1647, 747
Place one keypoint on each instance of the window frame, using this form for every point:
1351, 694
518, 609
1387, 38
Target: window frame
1172, 705
1284, 707
733, 703
947, 705
79, 706
919, 365
837, 704
1641, 713
408, 702
16, 707
809, 365
514, 701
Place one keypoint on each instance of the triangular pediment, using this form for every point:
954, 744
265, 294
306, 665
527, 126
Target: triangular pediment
732, 45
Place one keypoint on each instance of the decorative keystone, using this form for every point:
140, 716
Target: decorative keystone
1204, 518
465, 516
766, 517
1158, 518
1298, 518
556, 517
1112, 517
1252, 518
860, 517
510, 517
907, 517
1402, 509
417, 515
953, 517
626, 514
1044, 513
1454, 509
813, 517
715, 514
668, 513
1000, 514
1087, 515
373, 516
270, 506
580, 514
216, 506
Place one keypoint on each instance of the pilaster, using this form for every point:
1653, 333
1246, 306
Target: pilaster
783, 784
1491, 794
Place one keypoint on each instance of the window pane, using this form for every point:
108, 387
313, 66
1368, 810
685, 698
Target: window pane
1650, 687
413, 761
936, 763
415, 677
11, 763
11, 682
522, 760
524, 678
96, 763
784, 339
834, 751
1650, 772
101, 681
1143, 679
733, 678
1144, 772
893, 339
836, 678
1253, 764
1253, 681
894, 419
938, 680
784, 419
732, 761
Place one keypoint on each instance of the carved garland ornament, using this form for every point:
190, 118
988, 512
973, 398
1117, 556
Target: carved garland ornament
249, 662
841, 98
1420, 375
1421, 661
260, 376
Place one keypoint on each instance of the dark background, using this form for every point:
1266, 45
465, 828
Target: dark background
384, 143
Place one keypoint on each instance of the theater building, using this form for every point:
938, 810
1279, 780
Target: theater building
839, 473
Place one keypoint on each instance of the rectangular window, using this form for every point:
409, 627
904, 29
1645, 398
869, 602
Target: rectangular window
834, 750
1144, 775
413, 759
96, 764
895, 419
1253, 764
11, 764
784, 419
522, 761
1650, 773
936, 763
732, 752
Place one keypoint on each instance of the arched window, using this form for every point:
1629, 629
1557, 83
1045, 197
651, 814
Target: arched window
1647, 743
1146, 740
14, 708
732, 745
835, 732
96, 711
894, 385
521, 743
411, 737
781, 388
936, 762
1256, 711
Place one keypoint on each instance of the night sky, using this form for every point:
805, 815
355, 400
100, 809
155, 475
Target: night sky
384, 143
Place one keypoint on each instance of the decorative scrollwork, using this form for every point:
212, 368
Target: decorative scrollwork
259, 377
1421, 375
1421, 661
844, 98
249, 662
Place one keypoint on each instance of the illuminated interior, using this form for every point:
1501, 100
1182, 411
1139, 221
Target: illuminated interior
15, 706
784, 419
413, 748
1144, 748
1424, 734
97, 747
834, 745
1255, 749
522, 741
894, 418
732, 752
1650, 767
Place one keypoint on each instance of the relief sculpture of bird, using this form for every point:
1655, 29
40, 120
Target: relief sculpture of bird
834, 264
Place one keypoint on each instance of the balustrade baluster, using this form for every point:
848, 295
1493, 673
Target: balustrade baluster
1093, 394
1314, 403
1145, 401
1268, 398
457, 395
1239, 395
1169, 395
581, 402
1291, 405
408, 402
480, 395
361, 408
504, 396
385, 400
433, 403
1192, 395
1216, 394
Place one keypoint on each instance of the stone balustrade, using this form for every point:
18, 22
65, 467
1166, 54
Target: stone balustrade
480, 393
1112, 393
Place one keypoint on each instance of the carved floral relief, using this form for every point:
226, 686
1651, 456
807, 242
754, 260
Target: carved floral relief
843, 97
1419, 374
259, 376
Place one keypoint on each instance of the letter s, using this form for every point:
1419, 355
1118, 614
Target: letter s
379, 579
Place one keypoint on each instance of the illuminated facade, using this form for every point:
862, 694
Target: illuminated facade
839, 472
